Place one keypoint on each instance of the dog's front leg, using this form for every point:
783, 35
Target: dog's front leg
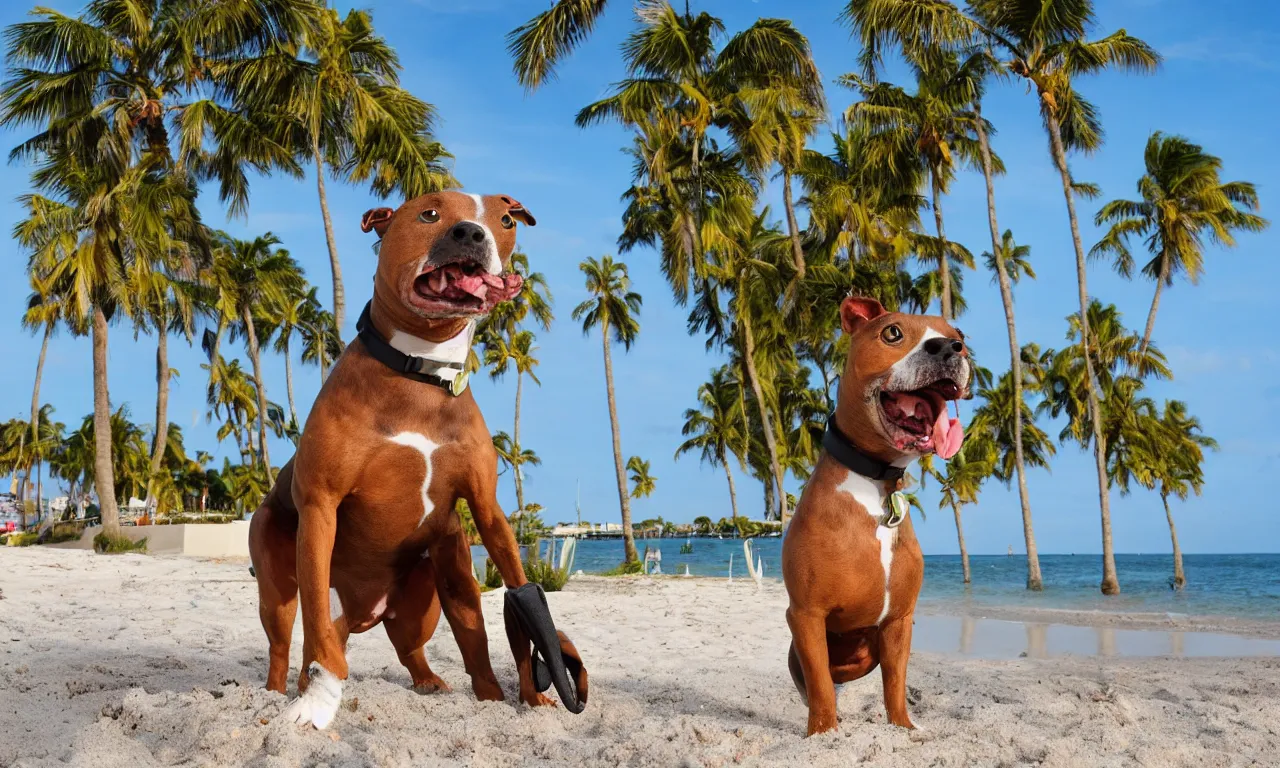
809, 632
324, 665
499, 540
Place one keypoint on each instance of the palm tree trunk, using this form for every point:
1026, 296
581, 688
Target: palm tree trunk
770, 497
944, 268
964, 551
324, 367
733, 492
1155, 305
288, 383
793, 229
1110, 582
339, 295
770, 442
104, 479
161, 438
262, 390
628, 536
515, 439
1035, 581
1179, 577
40, 489
35, 389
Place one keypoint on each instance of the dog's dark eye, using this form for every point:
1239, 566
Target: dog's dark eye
507, 221
891, 334
430, 216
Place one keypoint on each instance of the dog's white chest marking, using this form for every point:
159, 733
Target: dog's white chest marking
871, 496
426, 447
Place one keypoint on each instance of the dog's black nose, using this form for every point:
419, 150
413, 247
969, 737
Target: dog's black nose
943, 349
468, 230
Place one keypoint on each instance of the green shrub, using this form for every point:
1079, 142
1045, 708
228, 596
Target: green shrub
181, 518
492, 579
104, 544
541, 572
21, 539
626, 569
64, 532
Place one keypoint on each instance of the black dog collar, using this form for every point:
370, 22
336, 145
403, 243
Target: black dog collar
842, 450
416, 368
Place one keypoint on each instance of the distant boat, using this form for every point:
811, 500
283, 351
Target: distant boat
1010, 550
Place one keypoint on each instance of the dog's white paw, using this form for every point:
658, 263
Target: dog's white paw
319, 704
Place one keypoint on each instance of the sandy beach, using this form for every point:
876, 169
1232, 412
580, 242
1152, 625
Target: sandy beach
146, 660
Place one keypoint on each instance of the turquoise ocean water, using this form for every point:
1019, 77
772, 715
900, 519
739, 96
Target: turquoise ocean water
1242, 586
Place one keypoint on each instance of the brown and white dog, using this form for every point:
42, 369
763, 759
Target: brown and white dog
852, 566
361, 522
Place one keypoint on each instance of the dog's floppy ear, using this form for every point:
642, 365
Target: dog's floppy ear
856, 310
377, 219
518, 211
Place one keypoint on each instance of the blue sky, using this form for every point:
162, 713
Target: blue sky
1219, 87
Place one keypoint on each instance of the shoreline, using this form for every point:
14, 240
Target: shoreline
1120, 619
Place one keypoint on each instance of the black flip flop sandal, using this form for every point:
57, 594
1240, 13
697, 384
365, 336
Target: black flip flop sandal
528, 603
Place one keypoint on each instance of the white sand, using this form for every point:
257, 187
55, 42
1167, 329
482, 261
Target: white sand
135, 661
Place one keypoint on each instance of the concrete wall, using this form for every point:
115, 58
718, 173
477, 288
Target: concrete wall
198, 540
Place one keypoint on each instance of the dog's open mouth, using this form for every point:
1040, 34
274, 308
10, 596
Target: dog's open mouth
463, 288
917, 421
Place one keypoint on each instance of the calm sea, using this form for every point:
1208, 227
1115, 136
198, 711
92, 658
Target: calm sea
1244, 586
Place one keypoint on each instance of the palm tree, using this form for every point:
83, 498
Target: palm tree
862, 201
613, 308
336, 94
642, 483
256, 274
538, 44
44, 312
1115, 354
163, 302
960, 485
320, 342
995, 421
100, 215
232, 392
1183, 200
715, 426
288, 317
936, 125
1007, 261
763, 87
1042, 42
747, 252
1172, 462
144, 68
780, 91
514, 352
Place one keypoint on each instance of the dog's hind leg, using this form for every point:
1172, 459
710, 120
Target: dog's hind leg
416, 613
273, 551
460, 599
895, 650
797, 673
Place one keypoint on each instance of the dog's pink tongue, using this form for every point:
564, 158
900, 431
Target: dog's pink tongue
472, 284
947, 435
